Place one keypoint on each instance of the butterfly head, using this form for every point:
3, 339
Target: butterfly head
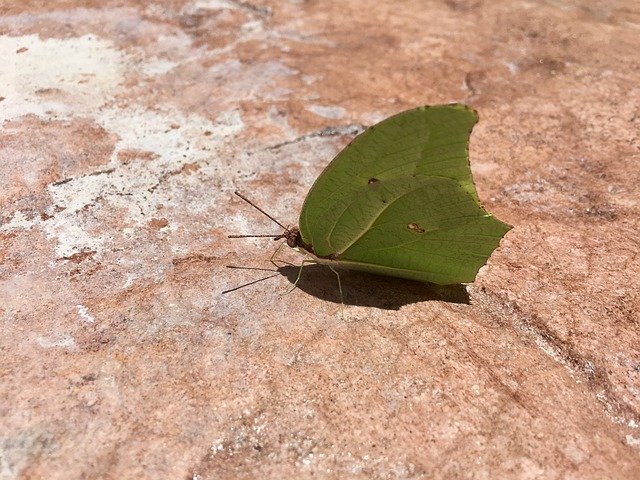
294, 239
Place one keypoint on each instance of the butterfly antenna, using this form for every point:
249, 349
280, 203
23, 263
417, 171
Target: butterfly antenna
275, 237
260, 210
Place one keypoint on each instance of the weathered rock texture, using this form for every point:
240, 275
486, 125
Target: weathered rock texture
125, 126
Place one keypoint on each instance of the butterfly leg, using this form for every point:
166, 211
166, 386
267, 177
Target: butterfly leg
272, 259
339, 289
295, 284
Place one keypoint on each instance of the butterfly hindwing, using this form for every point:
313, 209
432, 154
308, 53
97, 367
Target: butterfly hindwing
427, 140
431, 230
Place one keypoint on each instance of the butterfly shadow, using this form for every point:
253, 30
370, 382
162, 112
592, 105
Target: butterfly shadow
368, 290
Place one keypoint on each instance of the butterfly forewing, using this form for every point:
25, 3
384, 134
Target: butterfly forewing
426, 140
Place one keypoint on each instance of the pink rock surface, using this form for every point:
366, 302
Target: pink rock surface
126, 126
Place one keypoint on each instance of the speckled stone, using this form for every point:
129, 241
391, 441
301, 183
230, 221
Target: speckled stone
126, 126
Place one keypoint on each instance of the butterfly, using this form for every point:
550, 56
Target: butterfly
400, 201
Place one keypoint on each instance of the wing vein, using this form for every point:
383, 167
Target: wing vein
370, 223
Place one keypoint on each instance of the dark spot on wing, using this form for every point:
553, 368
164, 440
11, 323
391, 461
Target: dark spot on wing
414, 227
373, 182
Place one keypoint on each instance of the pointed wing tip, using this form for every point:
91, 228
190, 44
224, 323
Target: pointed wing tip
507, 226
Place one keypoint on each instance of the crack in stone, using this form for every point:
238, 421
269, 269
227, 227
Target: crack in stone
257, 9
92, 174
194, 258
531, 326
62, 182
102, 172
353, 129
79, 256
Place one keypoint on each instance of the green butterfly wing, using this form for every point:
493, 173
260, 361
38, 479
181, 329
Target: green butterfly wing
400, 200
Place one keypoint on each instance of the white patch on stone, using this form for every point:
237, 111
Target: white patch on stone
18, 222
79, 74
71, 238
76, 194
512, 66
228, 124
632, 441
308, 79
215, 4
157, 66
251, 81
133, 186
280, 120
485, 168
130, 279
84, 314
252, 27
211, 5
80, 77
58, 342
575, 454
67, 77
180, 249
327, 112
371, 118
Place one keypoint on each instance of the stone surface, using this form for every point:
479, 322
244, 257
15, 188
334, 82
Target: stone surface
125, 128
